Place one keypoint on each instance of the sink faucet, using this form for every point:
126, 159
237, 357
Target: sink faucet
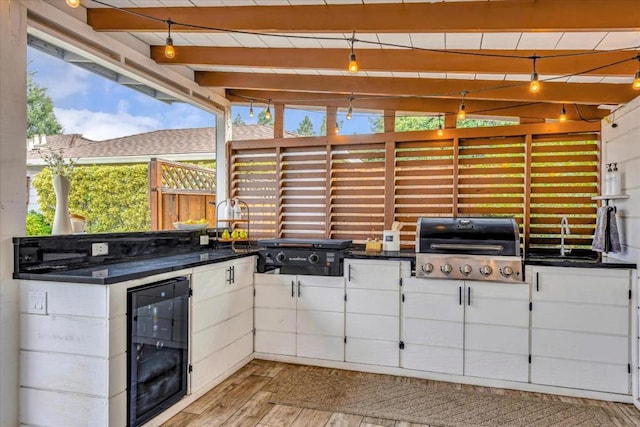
564, 229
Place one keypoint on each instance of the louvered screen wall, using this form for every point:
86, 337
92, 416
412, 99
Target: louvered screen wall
349, 190
564, 178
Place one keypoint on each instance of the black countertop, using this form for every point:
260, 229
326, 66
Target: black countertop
105, 274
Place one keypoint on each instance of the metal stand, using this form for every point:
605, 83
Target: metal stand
233, 225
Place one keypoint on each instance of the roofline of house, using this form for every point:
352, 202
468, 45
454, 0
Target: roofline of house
132, 159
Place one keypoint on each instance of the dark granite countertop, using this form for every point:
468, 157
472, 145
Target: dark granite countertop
402, 255
105, 274
576, 262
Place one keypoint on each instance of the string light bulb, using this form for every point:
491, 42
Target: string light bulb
267, 114
462, 114
353, 64
73, 3
636, 80
440, 131
169, 50
251, 108
337, 130
563, 114
350, 110
534, 85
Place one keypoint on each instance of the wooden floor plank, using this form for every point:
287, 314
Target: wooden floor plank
230, 403
182, 419
311, 418
252, 411
377, 422
280, 416
338, 419
406, 424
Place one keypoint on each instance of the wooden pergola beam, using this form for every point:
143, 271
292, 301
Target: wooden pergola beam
535, 110
480, 16
579, 93
625, 62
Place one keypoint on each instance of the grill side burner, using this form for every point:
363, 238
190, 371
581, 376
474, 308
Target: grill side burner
317, 257
469, 248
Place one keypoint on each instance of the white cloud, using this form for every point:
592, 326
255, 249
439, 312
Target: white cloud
61, 79
99, 126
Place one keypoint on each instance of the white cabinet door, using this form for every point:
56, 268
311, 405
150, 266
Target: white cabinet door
580, 327
432, 325
275, 313
320, 317
372, 315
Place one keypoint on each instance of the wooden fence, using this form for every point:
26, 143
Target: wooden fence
179, 192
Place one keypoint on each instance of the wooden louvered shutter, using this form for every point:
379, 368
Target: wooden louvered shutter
254, 180
423, 183
303, 192
564, 178
357, 191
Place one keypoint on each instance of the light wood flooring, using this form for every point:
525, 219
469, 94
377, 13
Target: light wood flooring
243, 400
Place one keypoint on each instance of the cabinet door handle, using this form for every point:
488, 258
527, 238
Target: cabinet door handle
233, 274
292, 287
459, 295
537, 281
299, 289
469, 295
349, 274
229, 275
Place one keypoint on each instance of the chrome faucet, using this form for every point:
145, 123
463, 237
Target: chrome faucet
564, 229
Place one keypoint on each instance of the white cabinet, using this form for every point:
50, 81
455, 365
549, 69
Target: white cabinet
466, 328
372, 316
300, 315
580, 322
222, 318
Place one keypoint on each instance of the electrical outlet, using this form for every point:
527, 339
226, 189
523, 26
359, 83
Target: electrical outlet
204, 239
37, 302
99, 249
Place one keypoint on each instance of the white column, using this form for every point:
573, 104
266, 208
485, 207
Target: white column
223, 133
13, 194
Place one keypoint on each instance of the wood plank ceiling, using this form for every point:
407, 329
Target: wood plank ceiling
413, 55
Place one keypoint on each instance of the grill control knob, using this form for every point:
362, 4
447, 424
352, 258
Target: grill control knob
281, 257
314, 258
486, 270
446, 269
507, 271
466, 269
427, 268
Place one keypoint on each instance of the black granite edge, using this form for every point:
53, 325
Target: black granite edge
388, 255
69, 277
582, 264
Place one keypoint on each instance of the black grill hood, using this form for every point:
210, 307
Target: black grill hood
496, 236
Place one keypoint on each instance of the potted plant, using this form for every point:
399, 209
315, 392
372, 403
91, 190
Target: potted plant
61, 173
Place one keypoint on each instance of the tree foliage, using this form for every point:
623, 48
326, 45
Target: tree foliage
305, 127
237, 121
40, 116
37, 225
262, 118
111, 198
409, 123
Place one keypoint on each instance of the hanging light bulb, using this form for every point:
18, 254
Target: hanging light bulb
353, 64
337, 128
251, 108
462, 114
350, 110
636, 80
440, 131
169, 50
534, 85
267, 114
563, 114
73, 3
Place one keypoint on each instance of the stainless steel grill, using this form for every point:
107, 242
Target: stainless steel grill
469, 248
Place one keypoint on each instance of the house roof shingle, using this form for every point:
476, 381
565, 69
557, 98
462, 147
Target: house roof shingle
154, 143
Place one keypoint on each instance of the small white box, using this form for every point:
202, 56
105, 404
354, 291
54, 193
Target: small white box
391, 240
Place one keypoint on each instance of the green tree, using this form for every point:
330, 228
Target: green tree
238, 121
262, 118
409, 123
40, 116
305, 127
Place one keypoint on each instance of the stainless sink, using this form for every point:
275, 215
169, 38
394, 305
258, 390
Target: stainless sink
563, 259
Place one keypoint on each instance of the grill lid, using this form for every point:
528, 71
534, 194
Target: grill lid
472, 236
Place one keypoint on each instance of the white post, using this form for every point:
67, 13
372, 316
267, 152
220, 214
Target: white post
223, 133
13, 192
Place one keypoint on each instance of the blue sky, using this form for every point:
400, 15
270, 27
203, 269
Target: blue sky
99, 109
